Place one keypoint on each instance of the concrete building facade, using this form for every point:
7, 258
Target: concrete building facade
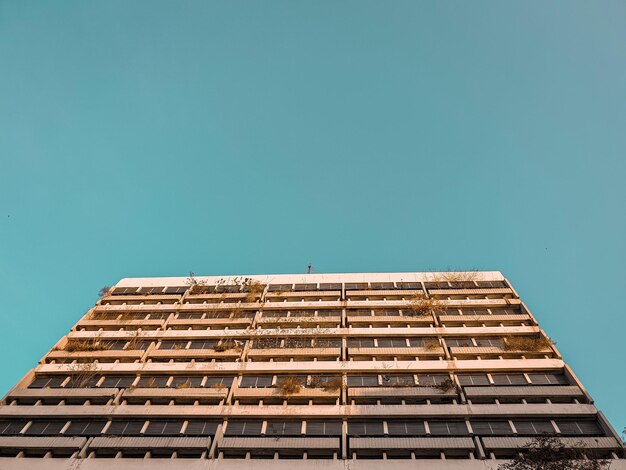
328, 371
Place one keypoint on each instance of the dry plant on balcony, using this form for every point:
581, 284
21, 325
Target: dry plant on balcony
451, 276
228, 345
104, 291
445, 386
430, 344
83, 373
331, 385
135, 340
549, 453
197, 287
526, 343
423, 307
186, 384
289, 386
88, 344
253, 289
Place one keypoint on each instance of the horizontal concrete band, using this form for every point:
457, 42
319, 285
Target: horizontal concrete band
297, 304
315, 367
53, 442
338, 411
256, 464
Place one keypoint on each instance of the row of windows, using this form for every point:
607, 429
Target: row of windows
298, 313
412, 427
307, 342
259, 381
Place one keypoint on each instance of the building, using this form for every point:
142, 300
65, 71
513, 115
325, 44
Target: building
336, 371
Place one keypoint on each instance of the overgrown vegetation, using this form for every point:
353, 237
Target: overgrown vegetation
88, 344
289, 386
327, 384
83, 373
228, 345
526, 343
549, 453
431, 344
422, 306
456, 276
104, 291
446, 386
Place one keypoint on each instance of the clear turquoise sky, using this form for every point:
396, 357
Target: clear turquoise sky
157, 138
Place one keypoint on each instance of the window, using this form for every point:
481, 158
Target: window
329, 313
116, 381
295, 342
279, 287
504, 311
258, 381
153, 381
579, 428
164, 428
491, 428
356, 285
409, 285
489, 342
509, 379
533, 427
45, 428
475, 311
406, 428
85, 428
420, 342
45, 381
175, 290
283, 428
203, 344
548, 379
85, 380
125, 428
304, 287
243, 428
382, 285
11, 427
448, 428
330, 286
398, 381
365, 428
491, 284
193, 381
125, 290
459, 342
392, 343
151, 290
360, 342
473, 379
362, 381
327, 343
432, 380
116, 345
201, 427
173, 345
217, 381
323, 428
